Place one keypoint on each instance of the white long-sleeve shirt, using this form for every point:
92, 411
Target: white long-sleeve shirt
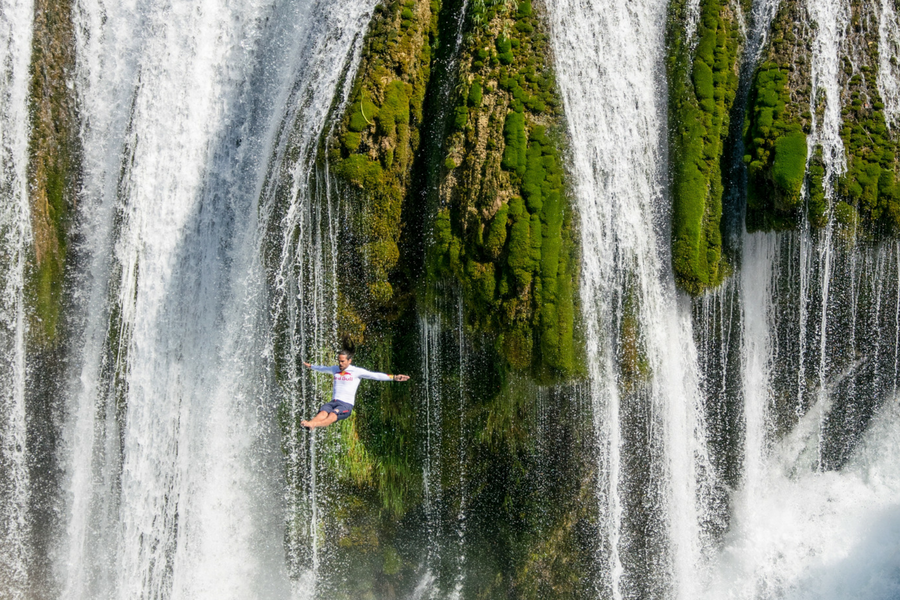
346, 382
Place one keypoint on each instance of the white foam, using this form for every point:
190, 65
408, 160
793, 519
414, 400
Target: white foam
823, 535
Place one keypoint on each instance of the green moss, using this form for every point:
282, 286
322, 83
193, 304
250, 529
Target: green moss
844, 214
496, 236
515, 152
475, 94
868, 186
394, 110
817, 208
528, 239
775, 128
789, 166
362, 115
360, 171
374, 146
52, 170
703, 84
351, 141
462, 118
504, 50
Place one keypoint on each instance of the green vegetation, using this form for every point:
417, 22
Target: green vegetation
703, 85
507, 236
775, 130
775, 138
817, 208
869, 186
373, 148
53, 167
789, 165
514, 155
776, 145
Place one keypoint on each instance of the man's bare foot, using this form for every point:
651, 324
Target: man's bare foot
307, 425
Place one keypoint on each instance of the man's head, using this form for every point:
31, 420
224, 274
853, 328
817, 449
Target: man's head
344, 358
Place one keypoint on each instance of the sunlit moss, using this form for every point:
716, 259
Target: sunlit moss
527, 302
703, 85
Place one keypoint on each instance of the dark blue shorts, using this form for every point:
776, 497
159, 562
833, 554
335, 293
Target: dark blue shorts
341, 409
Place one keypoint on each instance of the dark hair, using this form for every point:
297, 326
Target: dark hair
347, 353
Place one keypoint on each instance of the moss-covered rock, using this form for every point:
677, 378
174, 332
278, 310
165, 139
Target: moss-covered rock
373, 147
504, 231
702, 87
869, 184
53, 165
776, 126
778, 122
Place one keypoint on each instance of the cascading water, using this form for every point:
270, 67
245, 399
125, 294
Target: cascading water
889, 62
819, 373
169, 440
431, 468
305, 219
174, 470
15, 239
743, 444
803, 306
650, 449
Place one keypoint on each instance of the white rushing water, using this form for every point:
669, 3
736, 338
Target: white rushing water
305, 211
430, 333
15, 239
830, 17
609, 65
760, 253
823, 535
172, 488
175, 479
807, 523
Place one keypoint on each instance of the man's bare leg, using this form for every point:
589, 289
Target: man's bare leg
323, 419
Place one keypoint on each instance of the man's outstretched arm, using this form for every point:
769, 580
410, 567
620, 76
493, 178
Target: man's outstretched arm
364, 374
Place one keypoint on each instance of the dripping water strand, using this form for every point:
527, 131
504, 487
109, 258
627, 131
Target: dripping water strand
15, 239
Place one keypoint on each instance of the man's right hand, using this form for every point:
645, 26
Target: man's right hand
307, 364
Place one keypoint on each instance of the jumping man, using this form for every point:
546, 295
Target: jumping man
346, 382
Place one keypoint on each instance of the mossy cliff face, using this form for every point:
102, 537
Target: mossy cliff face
471, 125
504, 228
372, 150
868, 193
53, 165
371, 153
867, 199
777, 125
703, 80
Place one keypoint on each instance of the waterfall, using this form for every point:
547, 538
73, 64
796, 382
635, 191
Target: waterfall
15, 239
739, 445
430, 329
819, 391
650, 431
174, 473
760, 252
304, 217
